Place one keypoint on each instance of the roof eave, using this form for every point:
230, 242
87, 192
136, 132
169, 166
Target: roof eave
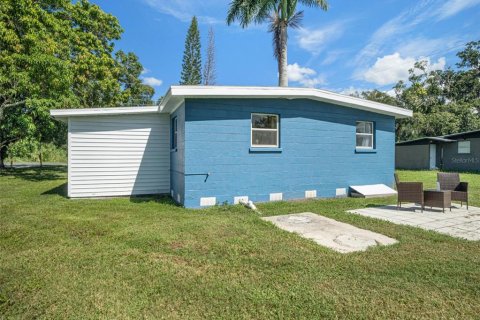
63, 114
178, 94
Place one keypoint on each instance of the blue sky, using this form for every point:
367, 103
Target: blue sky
355, 45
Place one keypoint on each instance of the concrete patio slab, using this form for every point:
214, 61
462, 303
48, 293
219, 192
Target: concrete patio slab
459, 222
339, 236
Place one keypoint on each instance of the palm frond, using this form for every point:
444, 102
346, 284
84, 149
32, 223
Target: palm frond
322, 4
295, 21
265, 8
248, 11
239, 10
233, 11
291, 7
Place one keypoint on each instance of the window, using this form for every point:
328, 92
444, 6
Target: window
364, 135
463, 146
264, 130
174, 133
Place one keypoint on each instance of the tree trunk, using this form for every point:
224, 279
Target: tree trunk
282, 59
40, 155
2, 156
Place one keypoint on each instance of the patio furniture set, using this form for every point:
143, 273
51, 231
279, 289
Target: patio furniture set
449, 188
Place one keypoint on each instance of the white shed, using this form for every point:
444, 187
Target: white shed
117, 152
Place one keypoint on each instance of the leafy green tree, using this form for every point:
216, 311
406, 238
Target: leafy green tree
15, 125
92, 35
281, 15
55, 54
32, 59
192, 59
443, 102
466, 115
22, 149
134, 91
465, 84
377, 96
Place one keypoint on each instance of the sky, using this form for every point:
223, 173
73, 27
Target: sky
354, 46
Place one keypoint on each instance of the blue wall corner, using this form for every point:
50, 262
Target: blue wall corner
177, 157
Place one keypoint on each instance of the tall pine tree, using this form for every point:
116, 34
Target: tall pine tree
192, 60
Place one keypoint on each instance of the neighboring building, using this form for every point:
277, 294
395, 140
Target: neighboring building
455, 152
205, 145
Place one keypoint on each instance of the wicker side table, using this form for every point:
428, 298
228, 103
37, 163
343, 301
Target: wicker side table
438, 198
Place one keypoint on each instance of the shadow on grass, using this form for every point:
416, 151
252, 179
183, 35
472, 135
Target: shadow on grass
162, 199
60, 190
36, 174
374, 205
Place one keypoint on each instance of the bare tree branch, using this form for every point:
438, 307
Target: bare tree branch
5, 142
10, 105
14, 104
209, 69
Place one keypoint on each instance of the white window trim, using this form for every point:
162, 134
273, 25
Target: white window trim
263, 129
365, 134
469, 147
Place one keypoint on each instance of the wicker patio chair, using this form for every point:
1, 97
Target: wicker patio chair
451, 181
409, 192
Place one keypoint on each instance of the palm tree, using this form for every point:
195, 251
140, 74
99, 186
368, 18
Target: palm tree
281, 15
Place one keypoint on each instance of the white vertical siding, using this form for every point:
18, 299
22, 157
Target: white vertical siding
118, 155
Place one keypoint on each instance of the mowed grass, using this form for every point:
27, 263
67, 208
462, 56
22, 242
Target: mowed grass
148, 258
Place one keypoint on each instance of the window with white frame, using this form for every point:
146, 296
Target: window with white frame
463, 147
264, 130
364, 135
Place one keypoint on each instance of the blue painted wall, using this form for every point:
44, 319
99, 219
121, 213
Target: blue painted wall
318, 150
177, 157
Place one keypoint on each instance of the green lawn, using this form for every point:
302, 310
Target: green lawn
148, 258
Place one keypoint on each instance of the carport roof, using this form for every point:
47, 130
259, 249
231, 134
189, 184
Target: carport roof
446, 138
462, 134
425, 140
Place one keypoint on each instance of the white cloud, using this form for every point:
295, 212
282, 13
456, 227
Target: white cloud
439, 65
315, 40
391, 68
391, 30
305, 76
394, 35
297, 73
332, 56
184, 10
391, 93
145, 71
452, 7
152, 81
421, 46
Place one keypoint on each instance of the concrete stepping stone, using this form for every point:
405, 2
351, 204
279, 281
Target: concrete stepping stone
339, 236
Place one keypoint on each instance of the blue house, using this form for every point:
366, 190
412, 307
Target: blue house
205, 145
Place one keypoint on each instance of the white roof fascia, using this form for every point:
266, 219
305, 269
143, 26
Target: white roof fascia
62, 114
176, 94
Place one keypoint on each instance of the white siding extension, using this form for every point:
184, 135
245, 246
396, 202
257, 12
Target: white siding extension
118, 155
